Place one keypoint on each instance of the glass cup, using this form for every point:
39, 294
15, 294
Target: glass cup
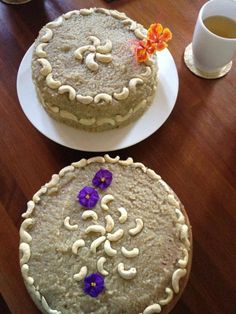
210, 51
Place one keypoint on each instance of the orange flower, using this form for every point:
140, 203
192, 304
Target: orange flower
159, 36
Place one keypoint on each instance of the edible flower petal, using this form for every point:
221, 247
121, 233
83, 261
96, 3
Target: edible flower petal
88, 197
94, 284
102, 179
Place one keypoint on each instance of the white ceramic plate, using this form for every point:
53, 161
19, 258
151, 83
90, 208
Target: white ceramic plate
152, 119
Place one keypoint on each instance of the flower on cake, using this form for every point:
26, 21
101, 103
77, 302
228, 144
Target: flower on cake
102, 179
88, 197
156, 40
94, 284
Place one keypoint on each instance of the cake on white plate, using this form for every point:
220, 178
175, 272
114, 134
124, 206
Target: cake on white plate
105, 236
85, 71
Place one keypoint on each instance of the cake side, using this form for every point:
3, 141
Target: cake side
137, 219
85, 70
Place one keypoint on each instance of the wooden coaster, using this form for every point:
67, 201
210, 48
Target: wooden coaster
188, 59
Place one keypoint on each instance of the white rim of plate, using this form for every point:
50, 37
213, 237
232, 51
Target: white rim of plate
145, 126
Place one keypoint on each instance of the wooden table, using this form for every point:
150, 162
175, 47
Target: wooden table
194, 151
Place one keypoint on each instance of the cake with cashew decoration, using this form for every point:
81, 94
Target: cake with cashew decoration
105, 235
85, 71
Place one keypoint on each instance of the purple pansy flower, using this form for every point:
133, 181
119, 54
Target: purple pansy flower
94, 284
88, 197
102, 179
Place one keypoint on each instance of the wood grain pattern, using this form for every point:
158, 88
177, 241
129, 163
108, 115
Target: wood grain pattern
194, 151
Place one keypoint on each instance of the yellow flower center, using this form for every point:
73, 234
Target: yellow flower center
87, 196
93, 284
103, 179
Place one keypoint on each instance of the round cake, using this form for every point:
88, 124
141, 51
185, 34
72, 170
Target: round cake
105, 236
86, 73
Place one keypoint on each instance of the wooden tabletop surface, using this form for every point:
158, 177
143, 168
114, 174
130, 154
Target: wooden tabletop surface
194, 151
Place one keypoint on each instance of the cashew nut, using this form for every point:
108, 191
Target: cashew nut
53, 84
55, 23
24, 235
30, 208
130, 253
46, 66
82, 273
76, 245
138, 228
68, 115
105, 48
90, 63
152, 174
116, 236
139, 34
96, 41
39, 50
80, 51
108, 249
106, 199
122, 95
67, 89
126, 274
95, 244
169, 297
89, 214
86, 11
103, 58
102, 96
109, 223
96, 228
84, 99
179, 273
68, 226
151, 309
134, 82
87, 121
25, 270
100, 266
47, 36
123, 215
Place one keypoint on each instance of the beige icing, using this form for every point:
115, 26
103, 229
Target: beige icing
169, 297
36, 197
54, 181
86, 11
98, 159
70, 13
126, 162
138, 228
112, 160
68, 226
140, 165
105, 200
118, 15
82, 273
66, 169
39, 50
80, 164
47, 308
184, 261
67, 89
120, 118
141, 105
151, 309
126, 274
100, 266
152, 174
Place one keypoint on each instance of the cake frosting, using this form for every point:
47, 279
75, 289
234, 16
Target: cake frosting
85, 71
131, 233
